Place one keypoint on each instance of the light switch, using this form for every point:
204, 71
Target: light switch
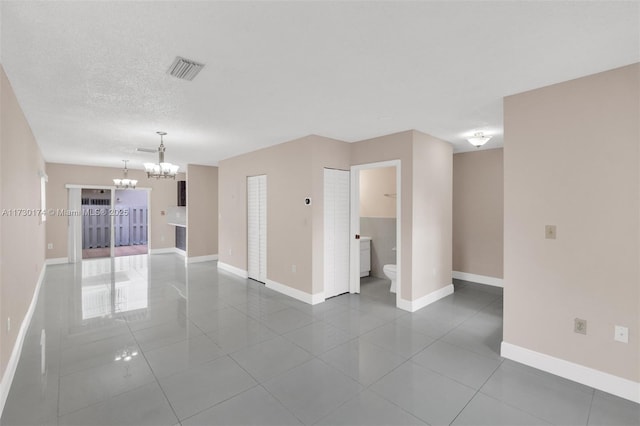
550, 232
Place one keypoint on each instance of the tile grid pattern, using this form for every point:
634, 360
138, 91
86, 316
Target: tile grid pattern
200, 346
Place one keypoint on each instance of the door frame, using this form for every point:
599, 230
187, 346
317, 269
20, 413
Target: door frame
74, 228
354, 276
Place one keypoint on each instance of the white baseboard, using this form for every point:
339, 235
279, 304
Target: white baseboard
57, 261
312, 299
168, 250
236, 271
596, 379
427, 299
196, 259
12, 365
480, 279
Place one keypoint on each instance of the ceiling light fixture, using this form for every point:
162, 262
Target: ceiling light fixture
125, 182
161, 170
478, 139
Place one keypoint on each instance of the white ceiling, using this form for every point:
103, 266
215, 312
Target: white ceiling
90, 76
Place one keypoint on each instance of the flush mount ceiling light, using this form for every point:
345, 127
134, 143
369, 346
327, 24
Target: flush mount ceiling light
162, 169
125, 182
478, 139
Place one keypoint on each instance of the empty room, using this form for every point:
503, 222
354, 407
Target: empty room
319, 212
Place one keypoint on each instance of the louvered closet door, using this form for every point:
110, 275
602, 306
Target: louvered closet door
336, 232
257, 227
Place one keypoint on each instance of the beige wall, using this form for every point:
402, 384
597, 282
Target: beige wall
295, 170
202, 210
478, 198
571, 159
432, 204
22, 239
163, 195
374, 184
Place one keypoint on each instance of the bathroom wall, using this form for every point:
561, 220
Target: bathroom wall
378, 215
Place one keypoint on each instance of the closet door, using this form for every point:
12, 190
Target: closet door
336, 232
257, 227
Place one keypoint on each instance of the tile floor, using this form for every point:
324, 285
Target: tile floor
144, 340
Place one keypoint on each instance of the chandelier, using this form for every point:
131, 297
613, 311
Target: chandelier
161, 169
125, 182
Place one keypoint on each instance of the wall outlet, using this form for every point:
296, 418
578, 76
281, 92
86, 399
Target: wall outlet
621, 334
50, 246
8, 324
580, 326
294, 268
550, 232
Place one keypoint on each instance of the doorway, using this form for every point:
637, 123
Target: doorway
98, 233
257, 228
392, 196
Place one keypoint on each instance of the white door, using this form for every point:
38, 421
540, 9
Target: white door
336, 232
257, 227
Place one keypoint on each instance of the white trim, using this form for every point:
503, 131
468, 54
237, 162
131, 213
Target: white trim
57, 261
174, 250
236, 271
597, 379
312, 299
12, 365
480, 279
196, 259
427, 299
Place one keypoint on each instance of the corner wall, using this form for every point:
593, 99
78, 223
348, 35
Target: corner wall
22, 240
478, 219
572, 159
202, 212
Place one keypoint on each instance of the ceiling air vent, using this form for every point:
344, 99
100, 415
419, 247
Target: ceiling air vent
185, 69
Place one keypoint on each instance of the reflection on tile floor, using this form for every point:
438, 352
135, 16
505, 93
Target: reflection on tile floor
147, 340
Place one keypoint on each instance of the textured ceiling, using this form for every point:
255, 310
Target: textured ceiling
90, 76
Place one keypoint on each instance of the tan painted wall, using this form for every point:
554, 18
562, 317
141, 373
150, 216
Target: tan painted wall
163, 195
432, 205
202, 210
571, 159
478, 199
374, 184
22, 240
289, 181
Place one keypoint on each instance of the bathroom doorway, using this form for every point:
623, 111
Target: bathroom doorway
376, 226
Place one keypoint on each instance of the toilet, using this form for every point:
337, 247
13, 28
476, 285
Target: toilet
390, 272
